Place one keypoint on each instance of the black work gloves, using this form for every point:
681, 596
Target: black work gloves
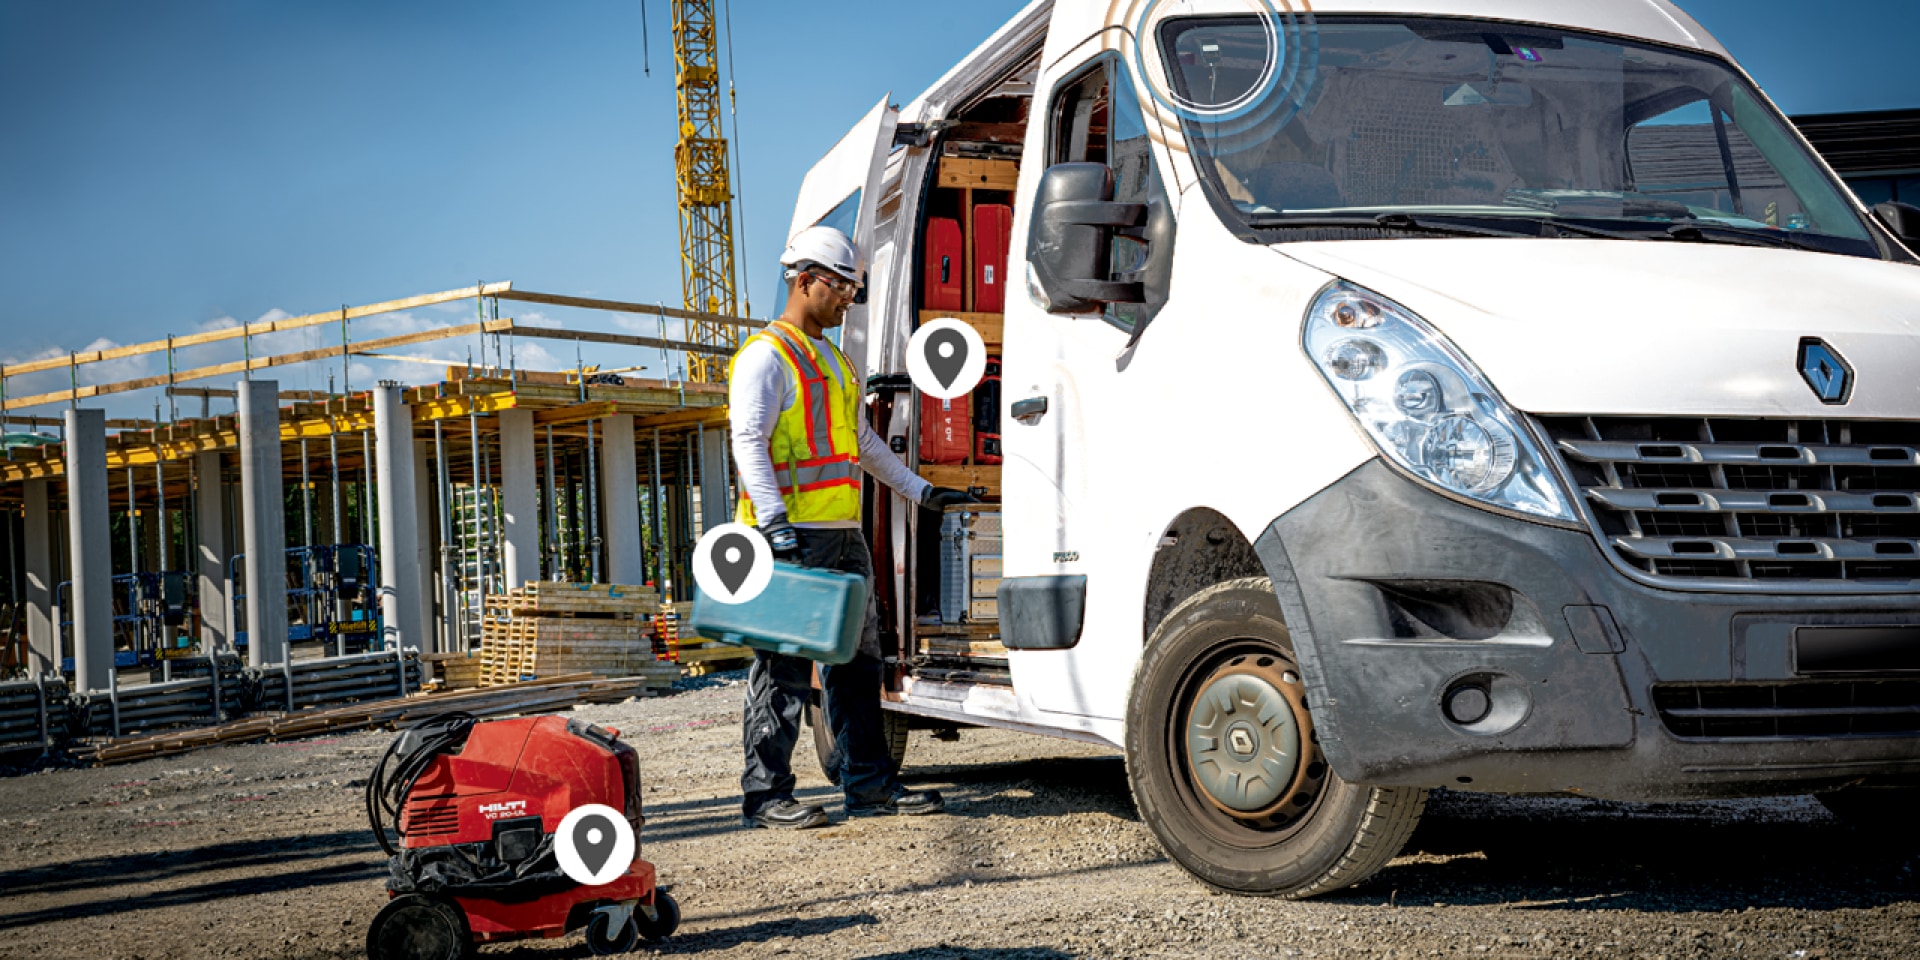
782, 538
940, 498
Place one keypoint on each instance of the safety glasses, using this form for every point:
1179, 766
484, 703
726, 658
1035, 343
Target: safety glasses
839, 285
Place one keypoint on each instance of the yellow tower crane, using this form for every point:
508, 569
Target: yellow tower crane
705, 187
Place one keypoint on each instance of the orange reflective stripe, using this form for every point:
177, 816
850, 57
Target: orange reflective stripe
809, 397
822, 485
797, 343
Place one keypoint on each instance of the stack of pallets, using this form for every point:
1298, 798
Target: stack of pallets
455, 671
700, 655
547, 629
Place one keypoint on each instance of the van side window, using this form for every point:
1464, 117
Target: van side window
1096, 118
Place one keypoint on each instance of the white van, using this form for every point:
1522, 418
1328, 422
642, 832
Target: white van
1496, 395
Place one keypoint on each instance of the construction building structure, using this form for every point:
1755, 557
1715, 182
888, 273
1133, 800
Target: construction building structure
313, 524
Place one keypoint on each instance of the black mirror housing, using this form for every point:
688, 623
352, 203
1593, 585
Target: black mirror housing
1901, 218
1071, 237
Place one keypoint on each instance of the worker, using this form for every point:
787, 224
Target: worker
801, 441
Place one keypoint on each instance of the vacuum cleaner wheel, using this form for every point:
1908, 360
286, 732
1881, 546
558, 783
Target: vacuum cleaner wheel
413, 927
654, 931
604, 941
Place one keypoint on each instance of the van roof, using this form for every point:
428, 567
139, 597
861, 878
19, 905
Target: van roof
1656, 20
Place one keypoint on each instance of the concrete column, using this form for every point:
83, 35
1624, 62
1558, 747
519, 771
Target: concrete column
716, 506
401, 603
423, 527
210, 550
42, 633
518, 500
620, 501
263, 524
87, 518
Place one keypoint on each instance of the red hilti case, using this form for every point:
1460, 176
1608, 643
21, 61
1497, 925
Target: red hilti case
992, 233
946, 281
986, 415
946, 436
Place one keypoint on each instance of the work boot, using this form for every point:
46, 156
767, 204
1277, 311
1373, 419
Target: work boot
787, 815
906, 803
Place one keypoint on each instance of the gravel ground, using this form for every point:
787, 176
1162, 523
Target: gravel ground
263, 851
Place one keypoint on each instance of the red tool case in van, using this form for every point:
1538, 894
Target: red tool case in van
946, 266
946, 429
992, 233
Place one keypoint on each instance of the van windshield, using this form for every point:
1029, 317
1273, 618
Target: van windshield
1492, 128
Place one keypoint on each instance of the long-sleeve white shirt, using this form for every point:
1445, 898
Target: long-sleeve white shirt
762, 387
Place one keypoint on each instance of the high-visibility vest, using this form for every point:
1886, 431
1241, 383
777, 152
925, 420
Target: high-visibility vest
816, 442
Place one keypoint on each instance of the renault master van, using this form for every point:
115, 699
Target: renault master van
1496, 395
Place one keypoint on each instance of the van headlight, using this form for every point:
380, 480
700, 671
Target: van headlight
1426, 406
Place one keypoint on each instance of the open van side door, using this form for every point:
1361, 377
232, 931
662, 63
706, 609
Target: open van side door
843, 191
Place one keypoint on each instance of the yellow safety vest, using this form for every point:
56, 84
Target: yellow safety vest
816, 442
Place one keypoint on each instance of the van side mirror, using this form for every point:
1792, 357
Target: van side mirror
1902, 218
1069, 242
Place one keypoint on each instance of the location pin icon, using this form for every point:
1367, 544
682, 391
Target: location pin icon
946, 367
732, 559
593, 839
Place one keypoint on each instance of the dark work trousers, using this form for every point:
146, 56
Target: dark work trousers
779, 686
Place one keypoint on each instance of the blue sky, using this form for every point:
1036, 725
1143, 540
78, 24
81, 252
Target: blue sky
169, 166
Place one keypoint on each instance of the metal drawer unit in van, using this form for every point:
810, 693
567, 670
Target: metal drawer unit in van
970, 564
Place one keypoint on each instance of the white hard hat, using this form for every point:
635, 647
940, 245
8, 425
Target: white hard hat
827, 247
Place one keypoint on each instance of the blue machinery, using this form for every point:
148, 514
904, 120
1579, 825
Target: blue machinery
155, 617
333, 597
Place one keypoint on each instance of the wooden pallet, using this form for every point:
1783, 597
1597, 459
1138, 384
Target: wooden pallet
552, 599
515, 648
714, 657
961, 647
455, 671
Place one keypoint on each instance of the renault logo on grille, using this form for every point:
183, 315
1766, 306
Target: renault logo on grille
1828, 375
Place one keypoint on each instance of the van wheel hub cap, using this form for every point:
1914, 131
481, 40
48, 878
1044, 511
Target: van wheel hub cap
1244, 742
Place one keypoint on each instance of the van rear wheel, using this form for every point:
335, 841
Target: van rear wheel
1224, 765
894, 728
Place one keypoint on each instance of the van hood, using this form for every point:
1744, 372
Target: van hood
1652, 327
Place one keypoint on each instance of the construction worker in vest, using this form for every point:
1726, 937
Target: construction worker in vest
801, 441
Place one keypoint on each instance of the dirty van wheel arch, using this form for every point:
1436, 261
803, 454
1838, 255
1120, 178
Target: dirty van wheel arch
1223, 763
894, 729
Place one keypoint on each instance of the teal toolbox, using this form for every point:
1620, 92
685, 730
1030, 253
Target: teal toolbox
803, 612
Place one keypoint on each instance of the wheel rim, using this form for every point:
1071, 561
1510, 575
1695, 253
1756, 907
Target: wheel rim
1244, 750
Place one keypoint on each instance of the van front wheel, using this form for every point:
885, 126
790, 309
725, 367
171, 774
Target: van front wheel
1224, 765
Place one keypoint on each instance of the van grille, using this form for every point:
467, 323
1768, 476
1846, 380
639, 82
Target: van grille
1800, 708
1728, 501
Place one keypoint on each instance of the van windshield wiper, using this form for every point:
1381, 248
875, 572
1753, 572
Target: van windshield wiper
1706, 231
1392, 221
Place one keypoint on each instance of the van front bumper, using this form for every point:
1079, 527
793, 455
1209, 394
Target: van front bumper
1405, 605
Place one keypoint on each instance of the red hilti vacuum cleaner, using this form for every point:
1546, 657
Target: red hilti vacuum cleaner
467, 813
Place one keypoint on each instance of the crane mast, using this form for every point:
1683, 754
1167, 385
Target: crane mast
705, 187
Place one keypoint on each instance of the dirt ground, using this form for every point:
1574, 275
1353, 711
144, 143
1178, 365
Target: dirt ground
263, 851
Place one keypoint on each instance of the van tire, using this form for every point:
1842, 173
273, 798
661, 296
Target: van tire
1346, 832
894, 728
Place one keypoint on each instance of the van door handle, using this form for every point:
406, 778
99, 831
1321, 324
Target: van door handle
1030, 410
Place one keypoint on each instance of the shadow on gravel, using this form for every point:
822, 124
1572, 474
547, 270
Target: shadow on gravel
290, 881
970, 953
138, 868
1046, 787
1572, 854
726, 937
698, 818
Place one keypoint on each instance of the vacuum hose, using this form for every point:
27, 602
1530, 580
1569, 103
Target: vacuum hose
408, 756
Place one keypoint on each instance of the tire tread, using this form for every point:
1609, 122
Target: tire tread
1391, 813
